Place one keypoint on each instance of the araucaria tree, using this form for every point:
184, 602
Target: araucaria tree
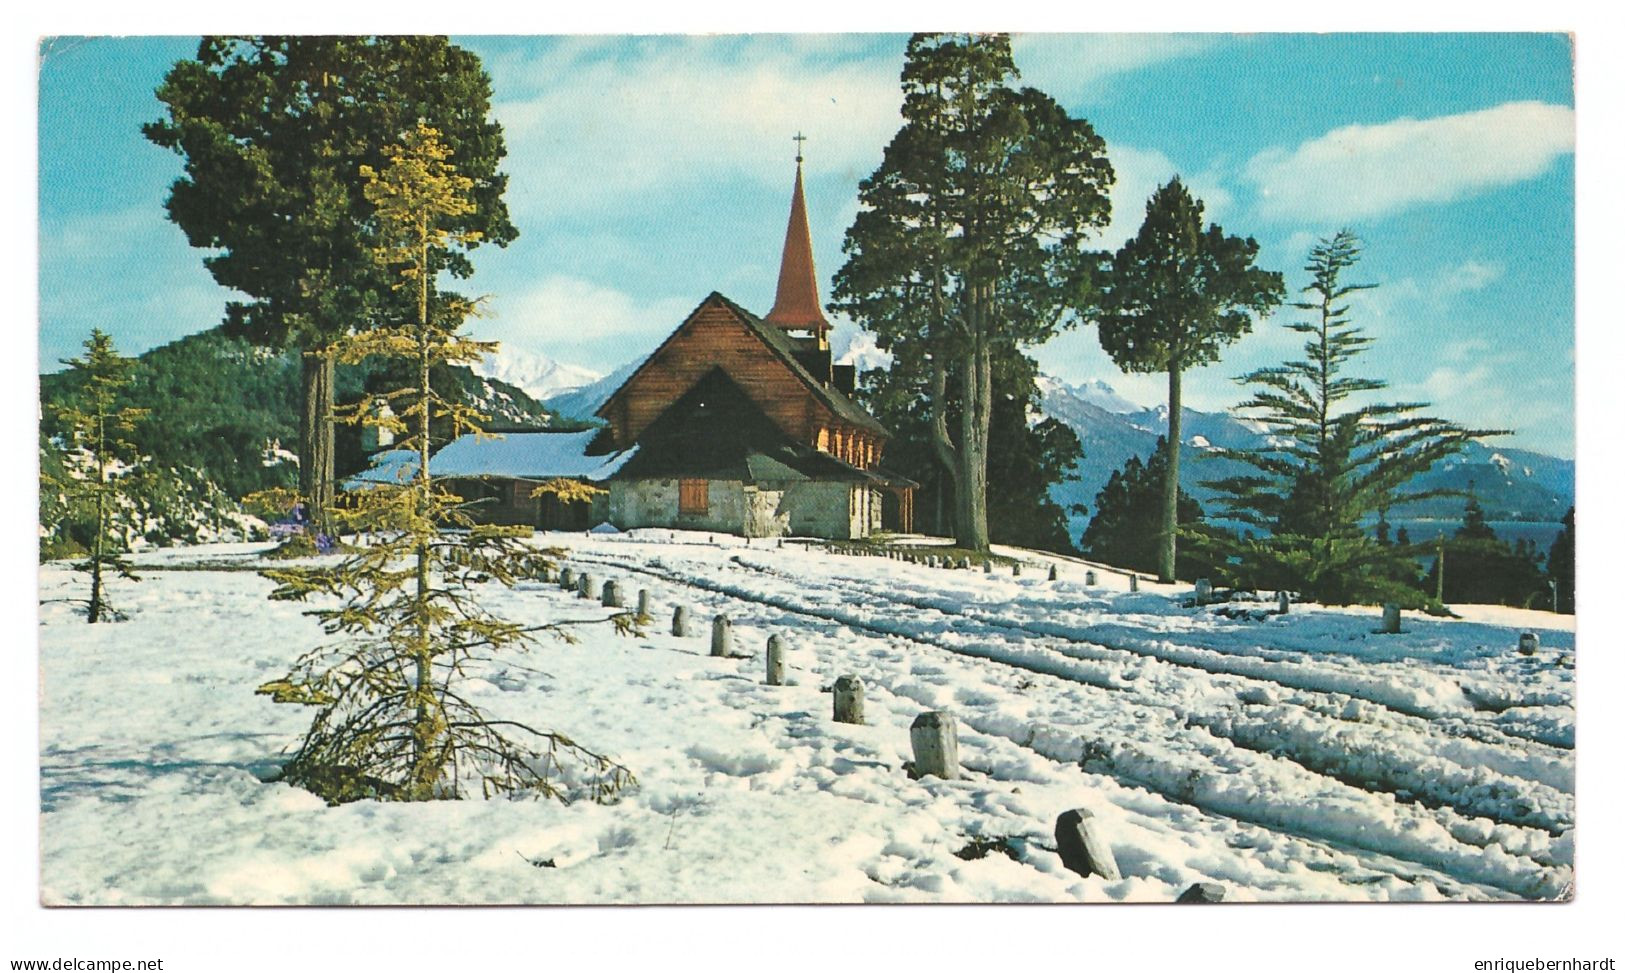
95, 480
392, 722
967, 248
1172, 298
1331, 464
274, 132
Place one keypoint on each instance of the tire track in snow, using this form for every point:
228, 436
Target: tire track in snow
1266, 667
1479, 756
1457, 846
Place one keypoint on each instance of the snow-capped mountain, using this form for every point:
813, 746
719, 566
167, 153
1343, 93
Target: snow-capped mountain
536, 374
580, 403
1511, 484
1059, 397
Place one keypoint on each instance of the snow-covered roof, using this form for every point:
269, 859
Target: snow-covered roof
520, 455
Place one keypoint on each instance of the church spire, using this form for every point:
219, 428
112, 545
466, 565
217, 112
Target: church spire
796, 307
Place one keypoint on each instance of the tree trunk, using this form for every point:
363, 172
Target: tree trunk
977, 385
947, 454
1170, 484
316, 439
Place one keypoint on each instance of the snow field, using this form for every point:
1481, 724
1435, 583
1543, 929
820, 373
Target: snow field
751, 793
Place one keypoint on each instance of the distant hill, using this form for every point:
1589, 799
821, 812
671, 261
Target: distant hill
229, 409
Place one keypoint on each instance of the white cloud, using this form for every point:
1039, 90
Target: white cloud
1469, 275
1071, 67
1364, 171
580, 322
653, 115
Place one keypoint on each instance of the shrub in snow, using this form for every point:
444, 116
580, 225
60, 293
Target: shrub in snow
392, 722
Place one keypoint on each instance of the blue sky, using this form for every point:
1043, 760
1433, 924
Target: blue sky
647, 172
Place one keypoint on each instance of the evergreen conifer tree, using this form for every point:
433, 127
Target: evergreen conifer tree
1175, 295
392, 721
1560, 566
1126, 528
97, 482
1481, 568
1331, 464
967, 248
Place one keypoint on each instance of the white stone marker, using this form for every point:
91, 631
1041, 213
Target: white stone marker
849, 700
1283, 602
1528, 643
679, 621
776, 651
643, 603
935, 737
613, 598
1089, 578
1204, 591
721, 635
1390, 618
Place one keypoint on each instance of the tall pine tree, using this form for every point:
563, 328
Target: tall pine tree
1332, 463
1175, 295
967, 248
274, 132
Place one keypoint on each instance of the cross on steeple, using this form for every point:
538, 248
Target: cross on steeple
799, 138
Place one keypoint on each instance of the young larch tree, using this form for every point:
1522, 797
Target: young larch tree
393, 723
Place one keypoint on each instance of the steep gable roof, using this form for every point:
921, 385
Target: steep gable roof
783, 348
715, 431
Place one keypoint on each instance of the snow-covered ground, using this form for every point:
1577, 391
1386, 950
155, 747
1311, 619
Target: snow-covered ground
1287, 757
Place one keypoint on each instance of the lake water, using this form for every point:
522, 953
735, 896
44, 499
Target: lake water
1511, 531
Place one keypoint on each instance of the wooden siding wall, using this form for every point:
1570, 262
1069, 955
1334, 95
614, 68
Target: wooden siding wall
714, 337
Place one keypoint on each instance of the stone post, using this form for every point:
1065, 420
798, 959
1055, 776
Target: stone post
679, 621
643, 603
1134, 582
1204, 591
1015, 569
849, 700
1390, 618
1283, 602
1528, 643
935, 736
721, 635
987, 567
567, 578
589, 586
1089, 578
1082, 849
776, 651
1203, 892
613, 598
1052, 573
